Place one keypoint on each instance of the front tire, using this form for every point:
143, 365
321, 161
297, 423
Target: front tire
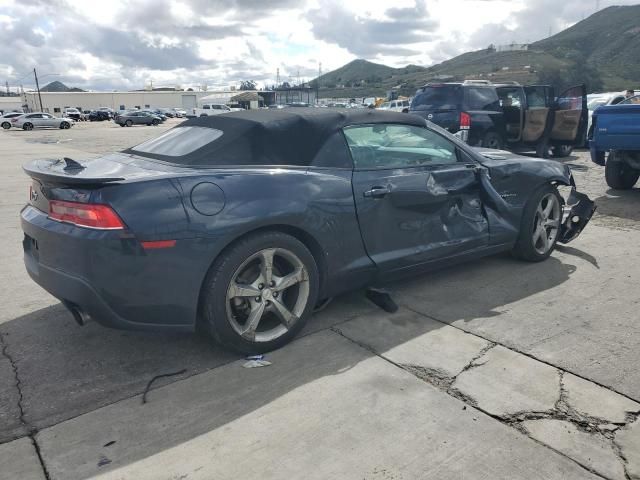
259, 293
128, 123
540, 227
6, 125
27, 126
619, 175
64, 125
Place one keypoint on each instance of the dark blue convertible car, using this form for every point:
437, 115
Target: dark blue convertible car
240, 224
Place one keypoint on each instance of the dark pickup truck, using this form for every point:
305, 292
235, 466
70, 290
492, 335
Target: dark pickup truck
616, 132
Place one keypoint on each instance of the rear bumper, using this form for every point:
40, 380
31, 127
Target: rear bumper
109, 277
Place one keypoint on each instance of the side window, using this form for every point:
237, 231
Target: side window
536, 97
56, 110
397, 146
206, 107
482, 99
35, 115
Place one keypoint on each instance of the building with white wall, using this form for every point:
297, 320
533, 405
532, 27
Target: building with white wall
11, 104
56, 102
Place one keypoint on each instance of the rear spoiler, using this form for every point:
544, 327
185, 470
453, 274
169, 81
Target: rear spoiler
69, 172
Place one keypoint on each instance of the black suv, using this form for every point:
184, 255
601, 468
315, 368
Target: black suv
507, 115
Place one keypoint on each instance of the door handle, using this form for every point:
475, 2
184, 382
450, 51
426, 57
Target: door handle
377, 192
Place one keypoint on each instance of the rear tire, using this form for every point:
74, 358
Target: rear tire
539, 232
237, 289
492, 140
561, 151
6, 125
543, 149
619, 175
27, 126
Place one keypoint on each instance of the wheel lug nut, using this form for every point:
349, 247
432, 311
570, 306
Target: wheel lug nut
272, 283
261, 286
275, 294
267, 303
258, 299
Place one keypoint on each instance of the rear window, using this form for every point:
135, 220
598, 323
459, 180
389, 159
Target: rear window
438, 97
482, 99
179, 141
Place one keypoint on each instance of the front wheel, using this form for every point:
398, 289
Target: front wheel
618, 174
128, 123
154, 123
6, 125
65, 125
27, 126
540, 225
260, 292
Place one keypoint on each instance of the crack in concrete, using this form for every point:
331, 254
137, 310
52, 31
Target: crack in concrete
474, 361
32, 431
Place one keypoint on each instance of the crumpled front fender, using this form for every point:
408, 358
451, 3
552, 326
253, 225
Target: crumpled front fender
576, 214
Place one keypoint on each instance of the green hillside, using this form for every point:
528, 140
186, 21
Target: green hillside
602, 51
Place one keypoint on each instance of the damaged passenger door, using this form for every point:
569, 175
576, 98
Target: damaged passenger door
417, 199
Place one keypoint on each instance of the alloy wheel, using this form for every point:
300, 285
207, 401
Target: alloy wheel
546, 223
267, 295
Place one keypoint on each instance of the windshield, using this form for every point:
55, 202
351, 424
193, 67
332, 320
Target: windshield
445, 97
594, 103
179, 141
631, 101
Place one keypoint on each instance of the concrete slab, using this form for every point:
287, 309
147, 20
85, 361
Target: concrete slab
19, 461
325, 409
628, 439
576, 310
592, 400
410, 339
594, 451
505, 383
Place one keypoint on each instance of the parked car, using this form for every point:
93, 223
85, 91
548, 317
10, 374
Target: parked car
180, 112
72, 113
30, 121
616, 132
99, 116
182, 235
5, 120
107, 110
509, 116
128, 119
396, 106
209, 109
167, 112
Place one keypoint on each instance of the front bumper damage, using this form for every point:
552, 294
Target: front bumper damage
576, 213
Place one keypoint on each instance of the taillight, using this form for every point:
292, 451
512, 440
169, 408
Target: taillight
465, 121
101, 217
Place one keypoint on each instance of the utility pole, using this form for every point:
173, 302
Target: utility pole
318, 81
38, 88
7, 85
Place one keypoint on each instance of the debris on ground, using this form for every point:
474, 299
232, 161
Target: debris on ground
382, 298
146, 390
255, 361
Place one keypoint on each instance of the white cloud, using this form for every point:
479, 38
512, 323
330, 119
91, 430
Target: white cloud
121, 44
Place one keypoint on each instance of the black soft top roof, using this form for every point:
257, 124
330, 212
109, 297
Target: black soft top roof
278, 137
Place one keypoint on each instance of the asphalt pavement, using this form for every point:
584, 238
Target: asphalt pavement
495, 369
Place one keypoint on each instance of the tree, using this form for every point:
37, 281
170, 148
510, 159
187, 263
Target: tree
248, 85
578, 73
